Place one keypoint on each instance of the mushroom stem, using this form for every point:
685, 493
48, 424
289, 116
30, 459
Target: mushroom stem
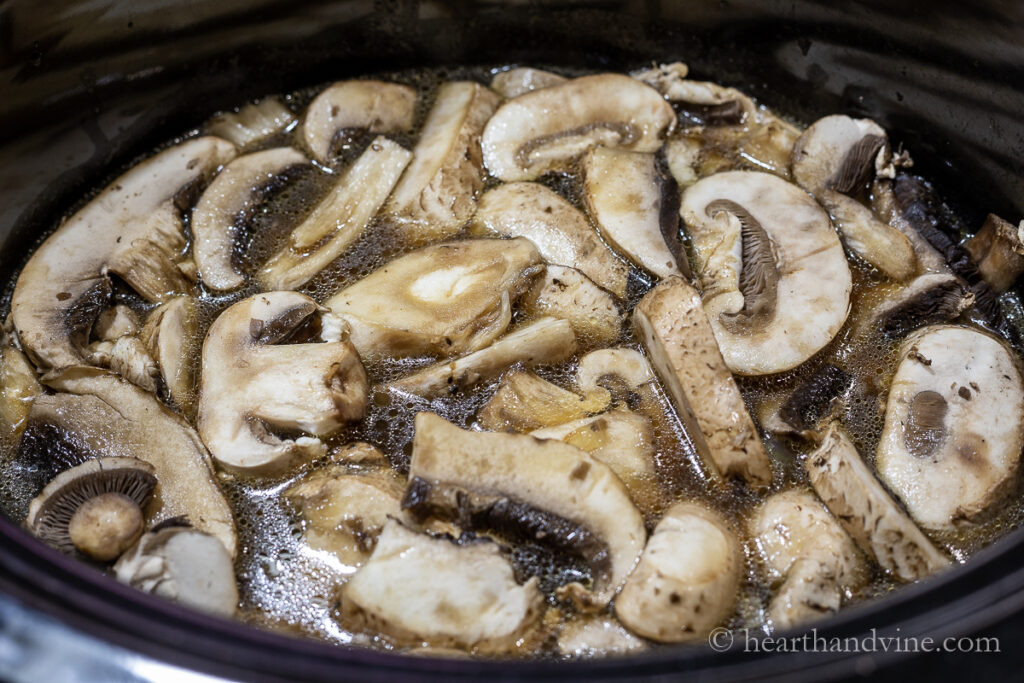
105, 526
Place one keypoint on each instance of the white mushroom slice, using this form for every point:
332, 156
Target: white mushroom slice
184, 565
775, 280
549, 128
622, 369
521, 80
880, 244
115, 322
171, 335
926, 300
419, 589
703, 101
885, 206
883, 531
550, 477
253, 122
375, 106
809, 592
130, 359
252, 383
589, 636
683, 156
954, 431
672, 325
562, 234
112, 417
839, 153
542, 342
339, 219
443, 299
18, 389
998, 249
661, 77
687, 579
633, 206
231, 194
437, 194
567, 293
524, 402
133, 229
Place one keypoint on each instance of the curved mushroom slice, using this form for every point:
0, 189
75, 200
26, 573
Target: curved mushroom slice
886, 207
419, 589
687, 579
437, 194
562, 234
375, 106
589, 636
133, 228
775, 279
171, 335
255, 381
115, 322
253, 122
105, 415
621, 371
568, 294
703, 102
633, 206
549, 128
926, 300
576, 500
339, 219
524, 402
810, 592
880, 244
953, 430
232, 193
129, 358
998, 249
672, 325
521, 80
19, 387
443, 299
541, 342
883, 531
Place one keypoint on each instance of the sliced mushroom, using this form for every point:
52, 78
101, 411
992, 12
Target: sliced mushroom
444, 299
133, 229
129, 358
254, 382
562, 234
702, 102
954, 431
115, 322
851, 492
524, 402
374, 106
542, 342
621, 371
575, 501
633, 206
419, 589
810, 592
252, 123
19, 387
521, 80
928, 299
687, 579
94, 508
811, 401
880, 244
339, 219
998, 249
437, 194
842, 154
549, 128
233, 193
568, 294
885, 206
672, 325
589, 636
185, 565
171, 335
775, 279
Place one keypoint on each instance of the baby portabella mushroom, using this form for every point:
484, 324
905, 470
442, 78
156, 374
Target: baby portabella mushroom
567, 293
998, 249
548, 129
953, 431
94, 508
687, 579
374, 106
521, 80
776, 285
263, 370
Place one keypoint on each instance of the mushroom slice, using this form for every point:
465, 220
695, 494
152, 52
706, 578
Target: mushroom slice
998, 249
883, 531
521, 80
182, 564
574, 500
775, 279
542, 342
233, 193
255, 381
375, 106
809, 592
253, 122
702, 102
339, 219
562, 234
524, 402
437, 194
674, 328
592, 635
105, 415
115, 322
633, 206
95, 507
419, 589
811, 401
133, 228
928, 299
19, 387
171, 335
880, 244
548, 129
130, 359
953, 433
687, 579
567, 293
444, 299
621, 371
